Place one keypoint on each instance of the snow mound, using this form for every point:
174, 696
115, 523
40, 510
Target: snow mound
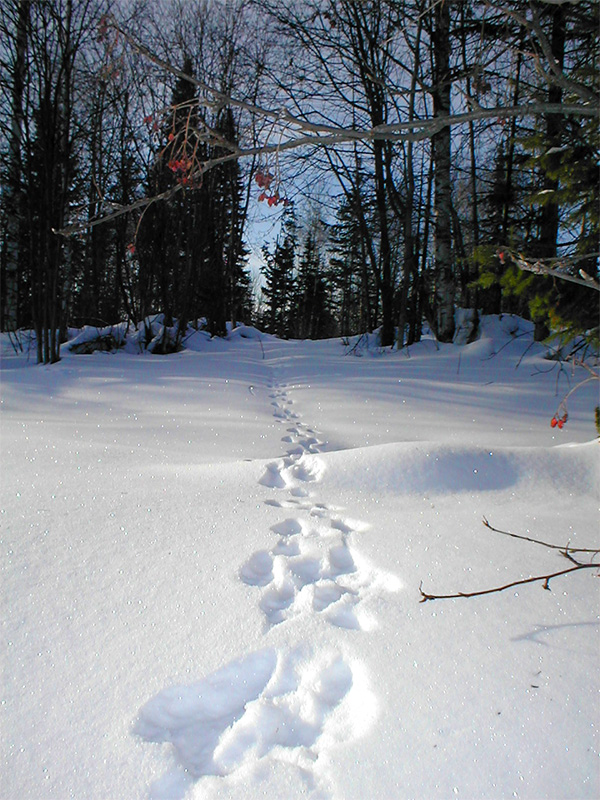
417, 468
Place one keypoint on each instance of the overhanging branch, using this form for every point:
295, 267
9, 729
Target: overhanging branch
295, 132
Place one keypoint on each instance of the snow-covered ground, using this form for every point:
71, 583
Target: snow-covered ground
211, 565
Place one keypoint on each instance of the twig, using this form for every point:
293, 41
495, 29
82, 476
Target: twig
562, 548
355, 348
527, 349
546, 578
513, 336
566, 551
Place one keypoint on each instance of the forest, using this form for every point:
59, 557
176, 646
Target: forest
402, 159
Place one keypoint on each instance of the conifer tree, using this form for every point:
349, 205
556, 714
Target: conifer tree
349, 276
280, 278
314, 319
190, 247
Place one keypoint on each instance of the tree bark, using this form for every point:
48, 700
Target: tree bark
444, 267
13, 196
549, 219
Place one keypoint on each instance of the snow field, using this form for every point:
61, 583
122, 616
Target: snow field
211, 569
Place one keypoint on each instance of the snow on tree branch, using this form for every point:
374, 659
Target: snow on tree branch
554, 267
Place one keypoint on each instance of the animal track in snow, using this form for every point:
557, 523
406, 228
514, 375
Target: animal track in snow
294, 706
312, 568
314, 509
290, 706
258, 570
291, 472
281, 406
302, 438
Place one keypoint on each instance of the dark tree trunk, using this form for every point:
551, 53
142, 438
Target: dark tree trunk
444, 267
13, 194
549, 219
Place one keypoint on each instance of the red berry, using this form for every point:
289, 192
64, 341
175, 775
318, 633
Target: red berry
560, 423
554, 422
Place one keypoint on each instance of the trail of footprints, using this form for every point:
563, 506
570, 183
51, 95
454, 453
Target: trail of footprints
312, 568
273, 701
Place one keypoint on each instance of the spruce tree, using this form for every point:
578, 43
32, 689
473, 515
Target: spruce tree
355, 295
314, 320
280, 278
190, 247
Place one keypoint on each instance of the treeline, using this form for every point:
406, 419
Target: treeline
417, 153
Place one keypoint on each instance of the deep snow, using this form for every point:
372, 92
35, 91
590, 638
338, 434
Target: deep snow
211, 569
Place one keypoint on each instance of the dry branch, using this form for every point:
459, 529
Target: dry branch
546, 578
566, 551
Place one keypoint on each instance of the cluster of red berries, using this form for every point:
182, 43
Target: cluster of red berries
558, 422
264, 181
181, 169
180, 166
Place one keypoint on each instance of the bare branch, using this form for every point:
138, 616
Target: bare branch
565, 551
560, 547
329, 136
546, 578
296, 131
282, 114
556, 74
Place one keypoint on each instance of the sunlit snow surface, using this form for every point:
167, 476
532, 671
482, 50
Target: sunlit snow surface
211, 565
